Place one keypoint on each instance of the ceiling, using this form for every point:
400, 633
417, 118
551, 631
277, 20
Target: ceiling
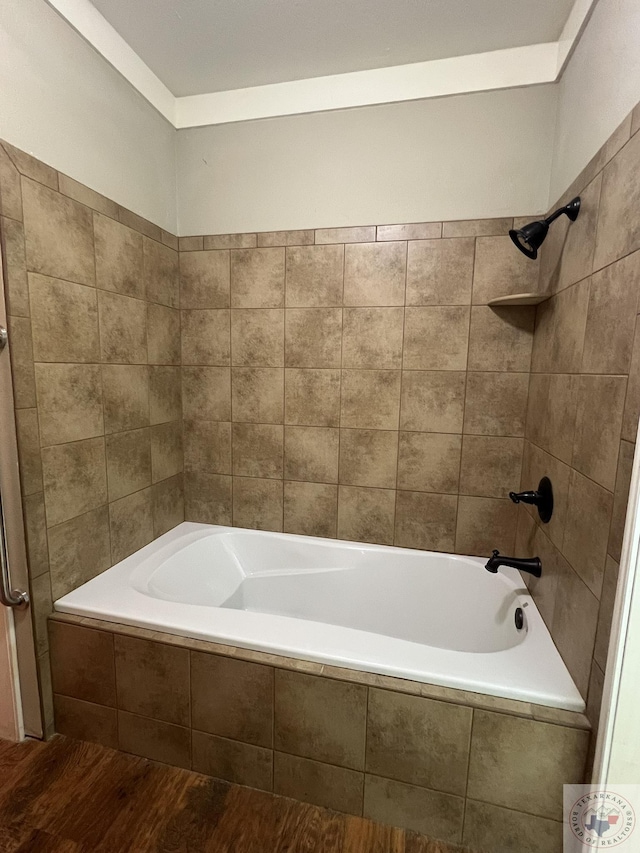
199, 46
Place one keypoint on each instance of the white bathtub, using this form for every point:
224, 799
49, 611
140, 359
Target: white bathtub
425, 616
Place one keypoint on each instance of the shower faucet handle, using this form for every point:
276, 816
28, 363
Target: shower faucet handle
541, 498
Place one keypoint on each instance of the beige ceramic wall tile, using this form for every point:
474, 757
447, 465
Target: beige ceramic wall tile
191, 244
312, 397
165, 396
207, 393
605, 612
152, 679
86, 721
560, 329
370, 399
90, 198
204, 279
79, 549
505, 830
123, 328
561, 415
21, 349
118, 257
257, 394
257, 278
125, 390
32, 168
128, 462
161, 273
257, 337
372, 337
416, 808
139, 223
574, 626
10, 190
36, 534
490, 465
314, 276
598, 427
621, 499
166, 450
618, 230
131, 524
69, 402
313, 337
311, 454
320, 784
496, 403
64, 320
207, 498
75, 478
240, 763
310, 509
501, 339
611, 317
230, 241
426, 521
477, 228
28, 437
232, 698
155, 740
484, 524
320, 718
368, 457
432, 401
167, 504
82, 663
15, 265
375, 273
366, 515
436, 338
58, 234
413, 231
440, 272
632, 401
362, 234
588, 518
206, 337
257, 503
500, 270
499, 776
418, 740
207, 447
286, 238
429, 462
163, 335
258, 450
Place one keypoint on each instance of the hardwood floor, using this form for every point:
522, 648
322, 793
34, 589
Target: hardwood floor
66, 796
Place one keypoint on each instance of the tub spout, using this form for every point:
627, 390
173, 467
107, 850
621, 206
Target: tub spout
533, 566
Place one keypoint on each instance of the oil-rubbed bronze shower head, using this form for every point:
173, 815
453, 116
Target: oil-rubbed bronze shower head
530, 237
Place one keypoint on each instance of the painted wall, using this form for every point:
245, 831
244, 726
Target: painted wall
600, 86
67, 106
464, 157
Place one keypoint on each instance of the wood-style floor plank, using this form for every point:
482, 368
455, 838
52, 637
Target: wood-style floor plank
71, 797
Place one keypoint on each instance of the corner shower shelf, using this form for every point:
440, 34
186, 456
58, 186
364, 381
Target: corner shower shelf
520, 299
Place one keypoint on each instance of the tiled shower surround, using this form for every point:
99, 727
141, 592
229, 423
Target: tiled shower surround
92, 297
584, 405
457, 766
353, 382
346, 382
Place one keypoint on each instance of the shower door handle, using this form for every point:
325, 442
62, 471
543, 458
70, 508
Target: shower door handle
9, 597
